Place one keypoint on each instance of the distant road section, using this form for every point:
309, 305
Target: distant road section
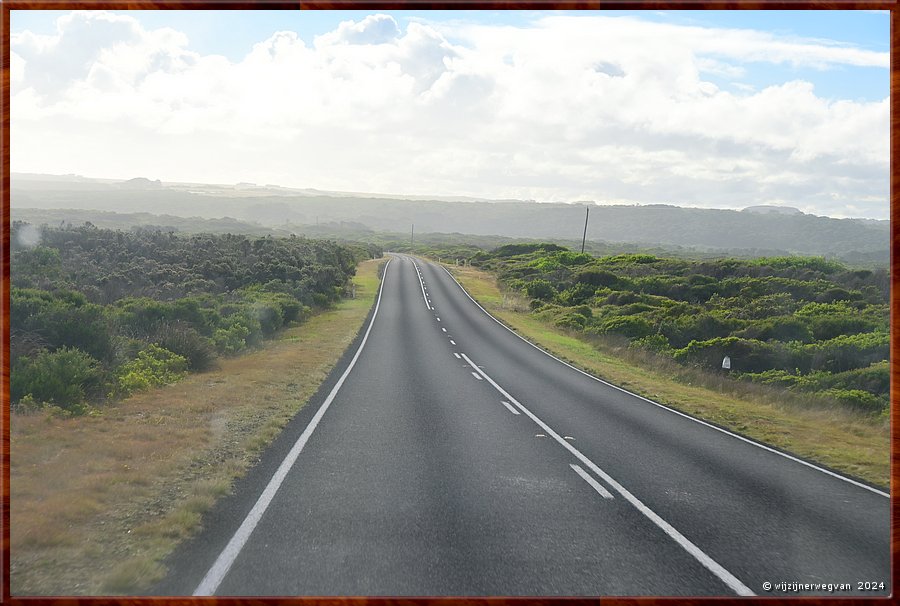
447, 456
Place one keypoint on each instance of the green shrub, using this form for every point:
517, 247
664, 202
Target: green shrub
623, 298
779, 377
817, 264
780, 329
232, 339
142, 317
857, 398
28, 405
293, 311
545, 264
569, 258
634, 308
761, 308
182, 339
747, 355
691, 324
830, 320
540, 289
632, 327
847, 352
64, 377
875, 379
509, 250
583, 310
269, 317
656, 343
837, 294
596, 277
62, 319
640, 259
570, 320
154, 366
577, 295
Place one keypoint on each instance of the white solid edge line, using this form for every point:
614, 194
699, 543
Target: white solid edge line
593, 483
511, 409
222, 565
672, 410
422, 284
714, 567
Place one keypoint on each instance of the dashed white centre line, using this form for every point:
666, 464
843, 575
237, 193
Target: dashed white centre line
452, 342
438, 319
511, 409
444, 329
672, 410
477, 376
457, 355
593, 483
714, 567
422, 284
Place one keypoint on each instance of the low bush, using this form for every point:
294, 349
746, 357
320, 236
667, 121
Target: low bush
154, 366
540, 289
184, 340
65, 377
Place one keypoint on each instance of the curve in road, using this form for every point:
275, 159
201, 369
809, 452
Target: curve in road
457, 459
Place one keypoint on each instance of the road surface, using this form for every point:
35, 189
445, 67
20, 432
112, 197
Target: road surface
447, 456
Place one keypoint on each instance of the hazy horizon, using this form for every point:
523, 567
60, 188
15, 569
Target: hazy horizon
251, 187
694, 109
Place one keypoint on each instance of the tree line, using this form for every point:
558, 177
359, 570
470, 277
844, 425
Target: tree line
98, 314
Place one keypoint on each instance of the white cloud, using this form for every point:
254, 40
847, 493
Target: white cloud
16, 70
569, 108
374, 29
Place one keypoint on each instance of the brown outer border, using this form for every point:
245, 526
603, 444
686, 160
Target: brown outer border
4, 316
892, 5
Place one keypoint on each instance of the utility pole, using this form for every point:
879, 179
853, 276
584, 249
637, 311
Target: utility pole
586, 214
412, 232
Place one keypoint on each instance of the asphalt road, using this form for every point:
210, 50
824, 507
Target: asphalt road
447, 456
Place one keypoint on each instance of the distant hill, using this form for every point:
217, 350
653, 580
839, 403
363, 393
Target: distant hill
140, 183
765, 209
658, 224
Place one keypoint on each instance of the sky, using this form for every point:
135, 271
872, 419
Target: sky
712, 109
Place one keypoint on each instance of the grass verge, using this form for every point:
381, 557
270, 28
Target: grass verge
97, 502
840, 439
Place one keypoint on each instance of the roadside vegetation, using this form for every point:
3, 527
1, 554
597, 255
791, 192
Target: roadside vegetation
98, 500
811, 326
808, 339
97, 315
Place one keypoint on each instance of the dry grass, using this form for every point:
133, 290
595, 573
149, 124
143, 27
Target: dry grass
844, 440
97, 502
